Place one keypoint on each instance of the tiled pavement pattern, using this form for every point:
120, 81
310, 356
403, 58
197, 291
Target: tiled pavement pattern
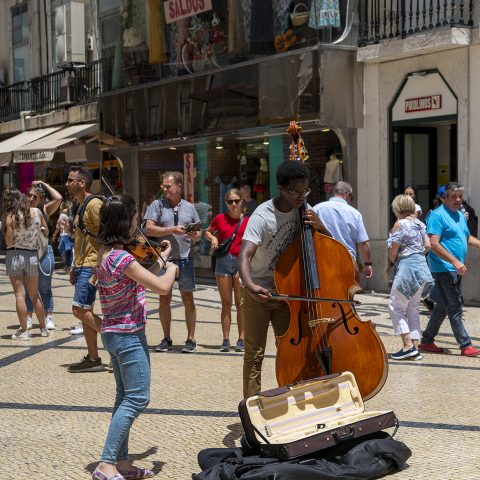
53, 424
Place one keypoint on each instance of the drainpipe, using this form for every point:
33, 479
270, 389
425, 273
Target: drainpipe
23, 115
38, 38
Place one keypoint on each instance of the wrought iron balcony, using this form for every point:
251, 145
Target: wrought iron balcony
74, 86
385, 19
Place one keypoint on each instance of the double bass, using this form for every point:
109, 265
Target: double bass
316, 277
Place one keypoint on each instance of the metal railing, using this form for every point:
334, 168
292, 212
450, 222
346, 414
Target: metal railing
76, 85
383, 19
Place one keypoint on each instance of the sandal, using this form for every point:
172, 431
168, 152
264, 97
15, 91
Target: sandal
98, 475
138, 473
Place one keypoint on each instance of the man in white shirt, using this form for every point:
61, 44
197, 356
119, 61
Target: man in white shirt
345, 223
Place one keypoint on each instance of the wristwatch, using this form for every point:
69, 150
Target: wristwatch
367, 264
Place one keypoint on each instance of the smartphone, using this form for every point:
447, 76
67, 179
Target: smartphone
193, 227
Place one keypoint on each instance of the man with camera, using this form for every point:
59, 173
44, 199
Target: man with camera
173, 218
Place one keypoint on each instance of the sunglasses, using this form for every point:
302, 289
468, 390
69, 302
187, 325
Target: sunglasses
231, 202
31, 195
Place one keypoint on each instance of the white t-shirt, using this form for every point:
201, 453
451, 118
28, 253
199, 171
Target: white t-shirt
344, 222
272, 231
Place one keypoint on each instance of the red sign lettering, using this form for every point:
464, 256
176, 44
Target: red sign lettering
420, 104
178, 9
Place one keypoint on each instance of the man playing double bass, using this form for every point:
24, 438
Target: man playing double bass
271, 228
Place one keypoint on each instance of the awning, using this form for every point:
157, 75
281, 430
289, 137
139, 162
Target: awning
44, 148
8, 146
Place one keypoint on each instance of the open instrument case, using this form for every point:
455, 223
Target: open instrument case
308, 416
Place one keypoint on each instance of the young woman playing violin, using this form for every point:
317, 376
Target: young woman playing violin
121, 285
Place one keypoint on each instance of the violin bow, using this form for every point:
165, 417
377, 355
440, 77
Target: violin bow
137, 228
282, 296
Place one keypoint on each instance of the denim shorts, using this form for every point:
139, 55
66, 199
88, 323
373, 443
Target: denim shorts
85, 292
226, 266
186, 274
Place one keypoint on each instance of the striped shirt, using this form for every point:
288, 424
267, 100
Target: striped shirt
122, 299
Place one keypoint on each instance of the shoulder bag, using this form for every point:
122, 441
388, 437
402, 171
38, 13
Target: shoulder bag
224, 247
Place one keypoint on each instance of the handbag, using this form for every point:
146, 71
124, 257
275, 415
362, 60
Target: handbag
42, 244
224, 247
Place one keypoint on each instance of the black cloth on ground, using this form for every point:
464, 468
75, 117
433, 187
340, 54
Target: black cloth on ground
365, 458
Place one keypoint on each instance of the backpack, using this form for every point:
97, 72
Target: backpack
81, 213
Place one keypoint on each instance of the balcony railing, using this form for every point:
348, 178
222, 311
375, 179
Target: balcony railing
74, 86
383, 19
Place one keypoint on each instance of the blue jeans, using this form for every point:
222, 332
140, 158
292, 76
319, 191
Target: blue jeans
45, 272
131, 368
448, 302
65, 247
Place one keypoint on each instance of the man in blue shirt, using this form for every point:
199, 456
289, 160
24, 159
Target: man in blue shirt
345, 223
450, 238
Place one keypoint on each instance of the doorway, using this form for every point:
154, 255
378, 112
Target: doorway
423, 157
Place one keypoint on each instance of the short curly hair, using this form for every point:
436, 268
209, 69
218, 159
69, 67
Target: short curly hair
403, 205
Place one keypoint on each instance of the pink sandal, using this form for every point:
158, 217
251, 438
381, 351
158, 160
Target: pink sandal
138, 473
99, 475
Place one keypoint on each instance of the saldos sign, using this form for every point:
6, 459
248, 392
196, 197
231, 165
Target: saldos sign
178, 9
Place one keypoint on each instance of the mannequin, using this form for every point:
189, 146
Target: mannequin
224, 187
261, 181
333, 173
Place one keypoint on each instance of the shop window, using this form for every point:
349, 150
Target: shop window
20, 46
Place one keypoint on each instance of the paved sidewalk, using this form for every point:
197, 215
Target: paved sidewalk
53, 423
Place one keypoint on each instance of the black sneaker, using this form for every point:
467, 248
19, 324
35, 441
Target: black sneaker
165, 345
190, 346
404, 354
225, 345
86, 365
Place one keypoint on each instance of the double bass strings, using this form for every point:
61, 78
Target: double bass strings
309, 261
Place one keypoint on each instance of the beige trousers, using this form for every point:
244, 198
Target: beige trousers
257, 318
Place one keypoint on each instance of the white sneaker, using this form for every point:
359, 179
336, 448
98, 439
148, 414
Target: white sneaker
78, 330
20, 335
49, 323
29, 322
44, 332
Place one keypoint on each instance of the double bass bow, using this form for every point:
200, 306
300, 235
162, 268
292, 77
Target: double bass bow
315, 275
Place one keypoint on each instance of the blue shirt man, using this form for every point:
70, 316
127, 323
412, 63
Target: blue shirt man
345, 223
452, 229
449, 237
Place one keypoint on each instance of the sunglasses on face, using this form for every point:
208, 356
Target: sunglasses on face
231, 202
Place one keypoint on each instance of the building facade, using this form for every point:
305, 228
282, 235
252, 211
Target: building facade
421, 69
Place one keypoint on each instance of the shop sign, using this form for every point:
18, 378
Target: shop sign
424, 95
24, 157
421, 104
188, 176
178, 9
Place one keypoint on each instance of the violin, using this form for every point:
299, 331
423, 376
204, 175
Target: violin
143, 249
315, 275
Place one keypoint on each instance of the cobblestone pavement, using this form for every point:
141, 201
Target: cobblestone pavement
53, 424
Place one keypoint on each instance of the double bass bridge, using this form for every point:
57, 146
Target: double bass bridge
318, 321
